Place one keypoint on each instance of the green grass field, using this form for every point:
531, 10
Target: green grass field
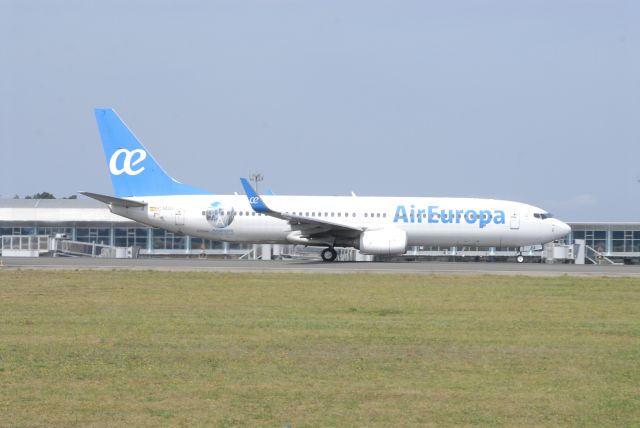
189, 349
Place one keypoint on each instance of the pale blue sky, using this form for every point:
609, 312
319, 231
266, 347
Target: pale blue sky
534, 101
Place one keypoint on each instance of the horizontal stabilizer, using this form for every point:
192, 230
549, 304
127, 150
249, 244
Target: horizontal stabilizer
118, 202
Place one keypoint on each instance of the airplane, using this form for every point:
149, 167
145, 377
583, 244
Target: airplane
144, 192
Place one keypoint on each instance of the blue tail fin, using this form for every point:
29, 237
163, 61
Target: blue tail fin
133, 170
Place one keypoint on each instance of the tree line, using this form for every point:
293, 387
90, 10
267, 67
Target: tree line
45, 195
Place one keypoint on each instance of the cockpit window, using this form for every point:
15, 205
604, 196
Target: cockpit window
542, 216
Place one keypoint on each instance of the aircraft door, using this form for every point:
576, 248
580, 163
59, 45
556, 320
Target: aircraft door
514, 221
179, 218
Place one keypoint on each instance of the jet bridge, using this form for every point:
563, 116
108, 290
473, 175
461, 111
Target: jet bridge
60, 246
578, 253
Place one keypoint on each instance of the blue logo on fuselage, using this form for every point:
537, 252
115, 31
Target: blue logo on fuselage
219, 216
433, 214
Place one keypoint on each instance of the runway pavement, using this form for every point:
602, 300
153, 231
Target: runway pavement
316, 267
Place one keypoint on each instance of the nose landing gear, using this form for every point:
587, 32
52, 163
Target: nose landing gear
328, 254
520, 258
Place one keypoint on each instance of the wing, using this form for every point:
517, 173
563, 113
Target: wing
308, 225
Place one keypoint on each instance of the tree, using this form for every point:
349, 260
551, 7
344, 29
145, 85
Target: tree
42, 195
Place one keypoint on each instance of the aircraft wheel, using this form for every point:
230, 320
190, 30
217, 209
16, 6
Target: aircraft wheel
328, 254
520, 258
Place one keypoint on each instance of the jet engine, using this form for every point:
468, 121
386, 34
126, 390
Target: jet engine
383, 242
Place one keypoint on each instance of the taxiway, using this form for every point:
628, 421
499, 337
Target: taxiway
300, 266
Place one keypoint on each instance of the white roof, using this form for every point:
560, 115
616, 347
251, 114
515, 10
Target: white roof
57, 210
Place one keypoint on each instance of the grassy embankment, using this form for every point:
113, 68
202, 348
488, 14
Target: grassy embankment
172, 349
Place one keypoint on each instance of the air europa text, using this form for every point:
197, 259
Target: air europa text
434, 214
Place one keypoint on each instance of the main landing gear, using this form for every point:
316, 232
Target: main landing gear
328, 254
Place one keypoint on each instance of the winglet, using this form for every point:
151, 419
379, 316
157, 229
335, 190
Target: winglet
259, 206
255, 200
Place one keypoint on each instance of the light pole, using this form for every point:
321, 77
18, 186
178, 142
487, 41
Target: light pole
256, 177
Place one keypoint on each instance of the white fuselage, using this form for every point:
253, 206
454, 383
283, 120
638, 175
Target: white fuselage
426, 221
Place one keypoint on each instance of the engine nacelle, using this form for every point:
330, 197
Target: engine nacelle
383, 242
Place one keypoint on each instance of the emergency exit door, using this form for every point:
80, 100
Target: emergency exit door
179, 218
514, 221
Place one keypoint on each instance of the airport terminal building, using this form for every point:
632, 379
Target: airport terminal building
86, 220
91, 222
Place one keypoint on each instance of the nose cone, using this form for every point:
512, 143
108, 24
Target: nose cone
561, 229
